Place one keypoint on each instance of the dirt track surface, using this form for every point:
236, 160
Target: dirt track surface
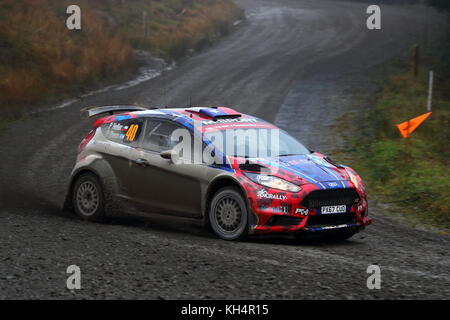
298, 63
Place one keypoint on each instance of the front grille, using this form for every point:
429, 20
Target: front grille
283, 221
331, 197
330, 219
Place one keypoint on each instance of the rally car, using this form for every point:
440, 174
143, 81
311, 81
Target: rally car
236, 173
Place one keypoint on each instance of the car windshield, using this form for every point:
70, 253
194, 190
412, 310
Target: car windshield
255, 143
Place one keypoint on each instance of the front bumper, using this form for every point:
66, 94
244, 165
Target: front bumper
276, 212
303, 227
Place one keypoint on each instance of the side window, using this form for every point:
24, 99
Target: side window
125, 131
158, 135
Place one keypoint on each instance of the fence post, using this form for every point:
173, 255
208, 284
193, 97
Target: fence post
144, 24
430, 90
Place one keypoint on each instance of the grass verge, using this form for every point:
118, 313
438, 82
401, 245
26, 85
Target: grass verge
411, 174
170, 28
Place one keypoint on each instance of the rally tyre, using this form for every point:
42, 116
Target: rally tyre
228, 214
88, 198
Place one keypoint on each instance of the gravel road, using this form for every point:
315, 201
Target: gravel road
301, 64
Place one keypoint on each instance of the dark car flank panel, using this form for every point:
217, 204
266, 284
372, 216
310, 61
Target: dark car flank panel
165, 187
157, 181
118, 155
160, 186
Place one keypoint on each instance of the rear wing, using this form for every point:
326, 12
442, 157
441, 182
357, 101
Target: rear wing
90, 112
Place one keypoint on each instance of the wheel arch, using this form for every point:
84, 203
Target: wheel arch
80, 172
68, 204
216, 185
100, 168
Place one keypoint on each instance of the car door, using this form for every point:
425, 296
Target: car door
123, 136
159, 185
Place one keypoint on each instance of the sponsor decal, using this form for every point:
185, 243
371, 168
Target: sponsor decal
334, 227
332, 184
117, 126
282, 209
301, 211
232, 120
265, 195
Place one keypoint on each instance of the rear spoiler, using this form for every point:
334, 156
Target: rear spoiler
90, 112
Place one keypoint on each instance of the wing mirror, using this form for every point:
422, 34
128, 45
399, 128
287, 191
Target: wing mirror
170, 155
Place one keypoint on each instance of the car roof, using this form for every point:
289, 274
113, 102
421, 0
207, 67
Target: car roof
194, 113
208, 118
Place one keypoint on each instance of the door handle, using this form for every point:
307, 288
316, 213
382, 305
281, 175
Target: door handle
141, 162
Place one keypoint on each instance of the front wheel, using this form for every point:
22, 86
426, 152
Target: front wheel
88, 198
228, 214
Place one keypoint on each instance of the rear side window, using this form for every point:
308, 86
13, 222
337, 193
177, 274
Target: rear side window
125, 131
157, 136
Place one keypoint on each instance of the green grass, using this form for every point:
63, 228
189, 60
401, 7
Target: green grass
414, 178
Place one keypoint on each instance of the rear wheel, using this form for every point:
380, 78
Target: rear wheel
228, 214
88, 198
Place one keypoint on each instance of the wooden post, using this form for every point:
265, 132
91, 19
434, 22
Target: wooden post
406, 150
430, 90
415, 60
406, 146
144, 24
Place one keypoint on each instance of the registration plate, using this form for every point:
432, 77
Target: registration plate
334, 209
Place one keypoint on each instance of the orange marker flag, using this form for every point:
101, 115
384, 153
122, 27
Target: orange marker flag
407, 127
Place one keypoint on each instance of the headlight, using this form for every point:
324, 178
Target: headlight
356, 180
272, 182
353, 179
